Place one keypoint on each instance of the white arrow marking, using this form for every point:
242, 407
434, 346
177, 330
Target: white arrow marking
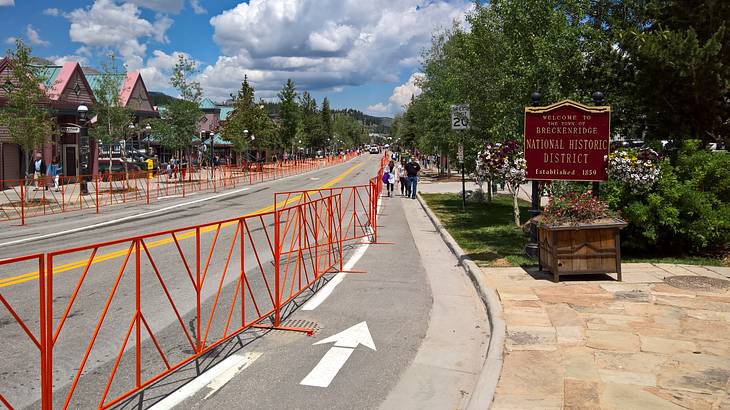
345, 343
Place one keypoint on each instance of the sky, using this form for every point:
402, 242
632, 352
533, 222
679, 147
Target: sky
362, 54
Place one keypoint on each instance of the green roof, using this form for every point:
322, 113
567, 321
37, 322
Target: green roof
95, 80
225, 112
217, 140
50, 74
207, 104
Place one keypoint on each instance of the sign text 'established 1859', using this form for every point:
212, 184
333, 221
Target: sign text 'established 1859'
567, 141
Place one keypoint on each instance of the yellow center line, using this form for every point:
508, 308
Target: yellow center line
185, 235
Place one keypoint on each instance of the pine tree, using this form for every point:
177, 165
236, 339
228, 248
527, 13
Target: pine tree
327, 133
290, 115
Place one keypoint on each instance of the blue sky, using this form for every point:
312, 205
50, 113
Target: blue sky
362, 54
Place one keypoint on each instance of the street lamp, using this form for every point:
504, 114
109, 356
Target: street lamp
212, 166
84, 149
147, 131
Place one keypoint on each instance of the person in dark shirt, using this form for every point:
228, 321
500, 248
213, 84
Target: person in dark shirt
412, 170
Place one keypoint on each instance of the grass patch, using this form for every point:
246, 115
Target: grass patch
486, 232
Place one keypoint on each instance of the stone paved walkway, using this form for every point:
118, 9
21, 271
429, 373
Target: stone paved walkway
590, 342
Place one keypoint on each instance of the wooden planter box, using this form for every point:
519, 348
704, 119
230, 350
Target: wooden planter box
580, 249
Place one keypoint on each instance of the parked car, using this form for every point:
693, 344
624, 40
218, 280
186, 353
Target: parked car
117, 166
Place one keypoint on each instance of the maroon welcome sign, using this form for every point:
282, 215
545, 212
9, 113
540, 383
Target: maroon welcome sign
567, 141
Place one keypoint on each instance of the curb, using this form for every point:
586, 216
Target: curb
486, 385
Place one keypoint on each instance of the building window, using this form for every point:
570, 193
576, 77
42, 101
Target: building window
8, 86
77, 89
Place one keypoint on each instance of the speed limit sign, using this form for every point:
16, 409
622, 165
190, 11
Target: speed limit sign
460, 116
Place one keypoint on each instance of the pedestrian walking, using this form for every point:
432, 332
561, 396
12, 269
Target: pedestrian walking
54, 171
412, 169
38, 169
389, 177
400, 171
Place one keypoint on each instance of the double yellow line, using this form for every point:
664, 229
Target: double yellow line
123, 252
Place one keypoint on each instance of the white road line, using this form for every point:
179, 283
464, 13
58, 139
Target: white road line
229, 374
327, 368
118, 220
220, 373
327, 289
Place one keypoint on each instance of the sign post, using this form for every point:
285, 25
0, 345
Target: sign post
460, 121
565, 141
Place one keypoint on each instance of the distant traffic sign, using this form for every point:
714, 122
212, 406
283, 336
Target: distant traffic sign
460, 116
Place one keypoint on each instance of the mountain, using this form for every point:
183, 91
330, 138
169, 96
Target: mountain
379, 125
159, 98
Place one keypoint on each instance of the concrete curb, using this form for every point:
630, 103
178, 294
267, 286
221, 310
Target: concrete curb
486, 385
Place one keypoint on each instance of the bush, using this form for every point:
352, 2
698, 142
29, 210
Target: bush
688, 210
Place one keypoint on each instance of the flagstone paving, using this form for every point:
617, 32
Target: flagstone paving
591, 342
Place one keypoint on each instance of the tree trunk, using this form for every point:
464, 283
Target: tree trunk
489, 188
515, 204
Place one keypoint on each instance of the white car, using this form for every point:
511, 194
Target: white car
374, 150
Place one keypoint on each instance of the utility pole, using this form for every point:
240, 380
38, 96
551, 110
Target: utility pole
531, 249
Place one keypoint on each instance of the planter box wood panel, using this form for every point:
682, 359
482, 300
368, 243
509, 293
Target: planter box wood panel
580, 249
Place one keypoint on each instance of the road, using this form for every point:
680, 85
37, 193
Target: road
19, 285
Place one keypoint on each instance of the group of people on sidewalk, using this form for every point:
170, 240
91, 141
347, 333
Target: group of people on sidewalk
403, 173
40, 171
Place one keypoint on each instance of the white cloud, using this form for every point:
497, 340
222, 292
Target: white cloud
169, 6
7, 3
52, 12
34, 37
156, 72
323, 44
378, 109
10, 40
165, 6
60, 60
197, 8
108, 25
401, 96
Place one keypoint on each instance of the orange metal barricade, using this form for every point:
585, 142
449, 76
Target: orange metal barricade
145, 306
20, 199
221, 278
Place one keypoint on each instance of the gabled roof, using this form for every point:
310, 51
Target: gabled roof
127, 88
207, 104
58, 78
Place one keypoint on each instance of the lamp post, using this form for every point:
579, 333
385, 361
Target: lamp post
531, 249
212, 165
147, 132
84, 149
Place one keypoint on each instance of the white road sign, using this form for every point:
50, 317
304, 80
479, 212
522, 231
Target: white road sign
460, 117
460, 153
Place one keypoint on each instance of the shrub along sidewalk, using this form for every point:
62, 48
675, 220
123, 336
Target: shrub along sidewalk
487, 233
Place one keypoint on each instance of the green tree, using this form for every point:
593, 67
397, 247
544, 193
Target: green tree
25, 113
179, 120
311, 133
113, 118
289, 112
327, 133
248, 116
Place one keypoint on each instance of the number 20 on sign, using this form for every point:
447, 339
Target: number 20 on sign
460, 117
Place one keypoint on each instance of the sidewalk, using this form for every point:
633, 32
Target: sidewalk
660, 339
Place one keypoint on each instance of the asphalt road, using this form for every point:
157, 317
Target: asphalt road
110, 283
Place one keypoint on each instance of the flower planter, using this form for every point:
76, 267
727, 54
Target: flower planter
581, 249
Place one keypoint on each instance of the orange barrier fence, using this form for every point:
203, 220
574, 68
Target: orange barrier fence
21, 199
134, 310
